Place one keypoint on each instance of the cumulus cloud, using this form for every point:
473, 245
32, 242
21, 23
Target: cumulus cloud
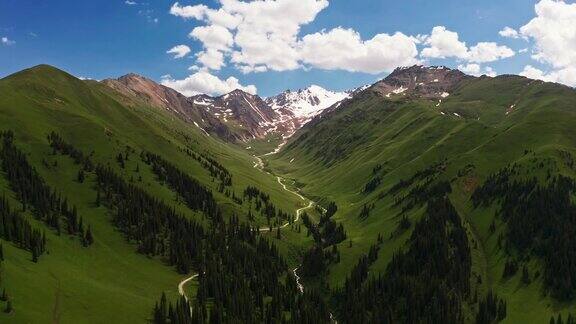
443, 43
179, 51
213, 37
566, 75
6, 41
203, 82
509, 32
472, 68
268, 33
344, 49
259, 36
130, 3
488, 52
211, 59
554, 32
477, 70
196, 12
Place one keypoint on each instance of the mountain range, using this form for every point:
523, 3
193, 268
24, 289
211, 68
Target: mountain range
430, 196
238, 115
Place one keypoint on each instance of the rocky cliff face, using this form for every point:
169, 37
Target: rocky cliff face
240, 116
248, 114
157, 95
433, 82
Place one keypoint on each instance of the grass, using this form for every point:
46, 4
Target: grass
109, 281
332, 159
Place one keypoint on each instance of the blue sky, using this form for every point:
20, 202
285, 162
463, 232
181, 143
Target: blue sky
101, 39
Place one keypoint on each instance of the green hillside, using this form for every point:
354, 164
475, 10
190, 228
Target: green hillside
412, 210
381, 160
107, 281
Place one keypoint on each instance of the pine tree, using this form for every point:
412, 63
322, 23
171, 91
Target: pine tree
81, 176
525, 275
88, 237
34, 255
4, 296
8, 308
98, 197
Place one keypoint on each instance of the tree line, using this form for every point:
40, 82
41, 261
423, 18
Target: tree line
33, 192
427, 282
539, 220
196, 196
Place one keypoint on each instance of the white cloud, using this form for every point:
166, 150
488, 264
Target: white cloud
197, 12
443, 43
472, 69
258, 36
344, 49
509, 32
213, 37
489, 71
211, 59
488, 52
476, 70
262, 34
554, 32
203, 82
6, 41
179, 51
130, 3
216, 40
201, 12
268, 33
566, 75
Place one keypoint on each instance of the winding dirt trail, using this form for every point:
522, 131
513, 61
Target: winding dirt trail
259, 164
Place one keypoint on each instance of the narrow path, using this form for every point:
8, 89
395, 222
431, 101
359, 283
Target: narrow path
259, 164
182, 283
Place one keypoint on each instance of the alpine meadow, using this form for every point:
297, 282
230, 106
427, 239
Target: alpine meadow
153, 168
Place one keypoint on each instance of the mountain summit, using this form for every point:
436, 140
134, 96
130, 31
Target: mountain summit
434, 82
305, 102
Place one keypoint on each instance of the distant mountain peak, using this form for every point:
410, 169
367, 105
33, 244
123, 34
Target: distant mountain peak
433, 82
306, 102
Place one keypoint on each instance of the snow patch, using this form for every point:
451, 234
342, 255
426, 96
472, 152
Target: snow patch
306, 103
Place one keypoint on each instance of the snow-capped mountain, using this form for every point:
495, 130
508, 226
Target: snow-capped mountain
238, 115
247, 114
305, 103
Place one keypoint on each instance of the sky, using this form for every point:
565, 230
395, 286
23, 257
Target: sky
268, 46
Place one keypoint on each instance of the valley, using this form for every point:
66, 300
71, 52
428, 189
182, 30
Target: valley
444, 196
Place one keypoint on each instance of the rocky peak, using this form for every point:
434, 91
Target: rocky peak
306, 102
427, 82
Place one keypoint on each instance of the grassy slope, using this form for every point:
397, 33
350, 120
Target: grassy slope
107, 282
334, 157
